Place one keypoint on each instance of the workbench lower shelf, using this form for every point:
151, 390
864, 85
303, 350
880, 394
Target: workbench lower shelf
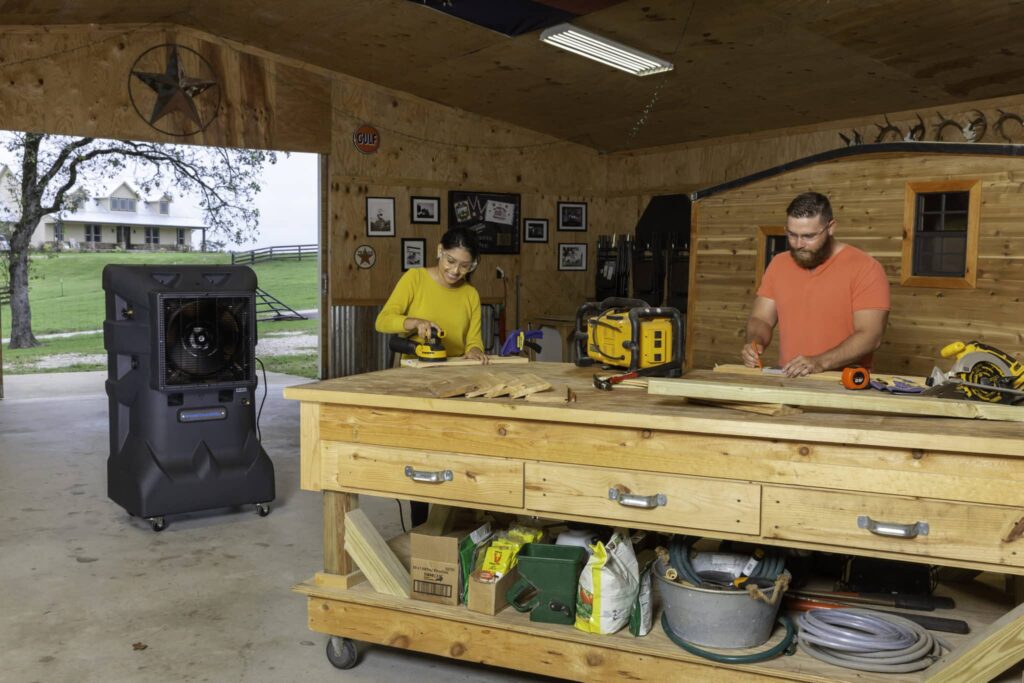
512, 641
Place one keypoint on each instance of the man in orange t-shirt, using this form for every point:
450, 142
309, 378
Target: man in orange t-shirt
830, 300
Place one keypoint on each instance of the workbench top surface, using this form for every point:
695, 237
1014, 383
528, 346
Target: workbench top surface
407, 389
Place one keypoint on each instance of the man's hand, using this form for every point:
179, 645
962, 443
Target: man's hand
751, 354
802, 366
477, 354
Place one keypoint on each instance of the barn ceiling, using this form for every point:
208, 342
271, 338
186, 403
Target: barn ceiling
740, 66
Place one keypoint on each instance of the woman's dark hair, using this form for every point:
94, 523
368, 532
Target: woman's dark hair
460, 237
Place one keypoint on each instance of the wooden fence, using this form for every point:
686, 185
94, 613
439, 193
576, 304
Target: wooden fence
287, 252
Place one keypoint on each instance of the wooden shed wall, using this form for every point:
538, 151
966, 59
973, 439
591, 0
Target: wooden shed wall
73, 80
867, 195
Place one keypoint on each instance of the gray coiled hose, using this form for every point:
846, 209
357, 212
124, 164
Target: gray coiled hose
867, 641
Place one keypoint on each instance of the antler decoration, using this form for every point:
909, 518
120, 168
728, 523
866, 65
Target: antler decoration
1006, 117
888, 132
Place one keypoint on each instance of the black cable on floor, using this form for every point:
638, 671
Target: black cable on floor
401, 517
260, 411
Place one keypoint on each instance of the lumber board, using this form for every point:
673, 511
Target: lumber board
702, 384
531, 384
985, 654
447, 388
833, 376
558, 394
462, 361
375, 559
758, 408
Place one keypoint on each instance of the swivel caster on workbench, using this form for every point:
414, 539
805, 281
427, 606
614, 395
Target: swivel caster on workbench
342, 652
263, 509
157, 523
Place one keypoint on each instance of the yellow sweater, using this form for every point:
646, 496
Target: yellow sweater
455, 309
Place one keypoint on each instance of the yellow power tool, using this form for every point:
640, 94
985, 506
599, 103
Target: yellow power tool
627, 333
430, 350
981, 373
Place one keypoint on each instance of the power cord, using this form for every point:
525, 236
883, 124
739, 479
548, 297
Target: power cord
260, 411
401, 516
867, 641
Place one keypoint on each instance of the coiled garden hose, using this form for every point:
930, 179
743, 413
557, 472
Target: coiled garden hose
784, 646
769, 568
867, 641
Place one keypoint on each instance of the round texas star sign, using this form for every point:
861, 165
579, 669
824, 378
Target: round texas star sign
366, 139
365, 256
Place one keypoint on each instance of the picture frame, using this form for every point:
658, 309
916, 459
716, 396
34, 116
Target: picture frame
380, 216
572, 216
572, 256
493, 217
414, 253
425, 209
535, 229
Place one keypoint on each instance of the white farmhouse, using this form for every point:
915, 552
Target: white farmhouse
122, 218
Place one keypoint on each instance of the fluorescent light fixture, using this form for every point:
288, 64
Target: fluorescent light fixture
608, 52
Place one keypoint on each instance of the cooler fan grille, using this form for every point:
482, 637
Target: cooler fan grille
205, 341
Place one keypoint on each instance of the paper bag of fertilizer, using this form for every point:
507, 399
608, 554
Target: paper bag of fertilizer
608, 586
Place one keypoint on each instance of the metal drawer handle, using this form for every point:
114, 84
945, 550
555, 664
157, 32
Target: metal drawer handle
635, 501
428, 477
891, 529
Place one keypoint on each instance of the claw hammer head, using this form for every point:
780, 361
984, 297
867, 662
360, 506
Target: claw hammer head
603, 384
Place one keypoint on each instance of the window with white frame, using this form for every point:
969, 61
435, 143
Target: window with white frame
181, 237
152, 235
58, 231
165, 207
122, 204
93, 233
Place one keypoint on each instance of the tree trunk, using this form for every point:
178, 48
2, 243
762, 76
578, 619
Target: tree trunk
21, 312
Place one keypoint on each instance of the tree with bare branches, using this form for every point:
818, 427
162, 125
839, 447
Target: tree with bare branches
53, 168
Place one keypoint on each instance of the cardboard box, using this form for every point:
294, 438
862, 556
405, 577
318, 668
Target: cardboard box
489, 598
434, 563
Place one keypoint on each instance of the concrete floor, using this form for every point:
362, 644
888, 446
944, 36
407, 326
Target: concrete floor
91, 594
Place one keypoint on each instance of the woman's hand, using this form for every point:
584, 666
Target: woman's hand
478, 354
423, 328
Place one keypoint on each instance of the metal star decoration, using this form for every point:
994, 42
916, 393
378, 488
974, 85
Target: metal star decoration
175, 92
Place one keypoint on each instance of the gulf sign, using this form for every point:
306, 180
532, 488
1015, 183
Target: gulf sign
366, 139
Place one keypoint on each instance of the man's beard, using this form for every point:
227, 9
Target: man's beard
810, 260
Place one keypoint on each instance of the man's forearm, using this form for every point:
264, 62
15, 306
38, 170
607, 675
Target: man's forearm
850, 351
759, 331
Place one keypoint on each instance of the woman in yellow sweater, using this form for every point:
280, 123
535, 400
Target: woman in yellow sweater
440, 296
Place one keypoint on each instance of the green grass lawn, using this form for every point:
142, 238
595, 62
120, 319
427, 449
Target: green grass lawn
66, 294
66, 289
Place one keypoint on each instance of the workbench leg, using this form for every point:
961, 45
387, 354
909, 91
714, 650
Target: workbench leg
336, 504
985, 654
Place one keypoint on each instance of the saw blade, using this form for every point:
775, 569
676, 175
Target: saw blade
966, 364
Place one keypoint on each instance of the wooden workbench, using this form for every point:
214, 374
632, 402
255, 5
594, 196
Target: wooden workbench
797, 481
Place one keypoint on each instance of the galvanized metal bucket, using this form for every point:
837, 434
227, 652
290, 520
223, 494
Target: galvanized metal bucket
726, 618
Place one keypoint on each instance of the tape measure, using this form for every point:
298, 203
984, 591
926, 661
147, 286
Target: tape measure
856, 378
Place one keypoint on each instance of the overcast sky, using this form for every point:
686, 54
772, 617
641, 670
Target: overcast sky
288, 203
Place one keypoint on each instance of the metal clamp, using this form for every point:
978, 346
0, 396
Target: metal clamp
635, 501
428, 477
892, 529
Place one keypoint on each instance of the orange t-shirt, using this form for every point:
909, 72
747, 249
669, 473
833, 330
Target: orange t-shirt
816, 307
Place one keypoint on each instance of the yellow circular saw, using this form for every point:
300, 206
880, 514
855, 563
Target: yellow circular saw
983, 372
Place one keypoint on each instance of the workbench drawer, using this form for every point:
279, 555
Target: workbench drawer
914, 526
636, 497
432, 474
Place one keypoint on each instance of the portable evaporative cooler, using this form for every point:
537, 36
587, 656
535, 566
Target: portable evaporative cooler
181, 383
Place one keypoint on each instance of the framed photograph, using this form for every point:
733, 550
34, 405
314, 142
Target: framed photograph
380, 216
572, 216
535, 229
572, 256
414, 253
425, 210
493, 216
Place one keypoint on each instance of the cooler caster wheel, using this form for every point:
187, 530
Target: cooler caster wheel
262, 509
342, 652
157, 523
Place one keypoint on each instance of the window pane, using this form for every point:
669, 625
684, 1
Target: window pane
957, 201
931, 201
955, 222
930, 222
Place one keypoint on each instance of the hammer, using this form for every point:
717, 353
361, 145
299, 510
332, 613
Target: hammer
606, 383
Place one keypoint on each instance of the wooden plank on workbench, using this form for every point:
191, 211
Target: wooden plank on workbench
985, 654
833, 376
461, 361
705, 385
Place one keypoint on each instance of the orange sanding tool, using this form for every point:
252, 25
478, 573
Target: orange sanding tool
856, 378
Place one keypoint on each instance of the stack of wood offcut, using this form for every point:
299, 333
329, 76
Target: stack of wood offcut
486, 384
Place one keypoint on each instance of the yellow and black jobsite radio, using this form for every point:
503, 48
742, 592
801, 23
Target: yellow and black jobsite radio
627, 333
